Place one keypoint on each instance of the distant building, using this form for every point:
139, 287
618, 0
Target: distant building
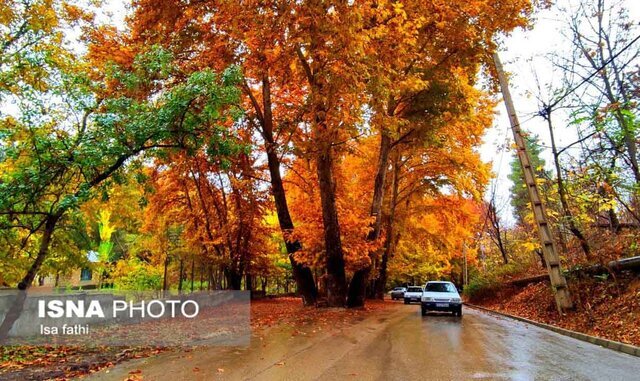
84, 277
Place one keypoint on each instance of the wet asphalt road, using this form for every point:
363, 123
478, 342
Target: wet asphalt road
397, 345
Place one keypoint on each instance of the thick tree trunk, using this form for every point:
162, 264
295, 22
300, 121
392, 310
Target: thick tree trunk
358, 288
378, 187
248, 282
301, 274
336, 279
234, 279
389, 241
17, 306
358, 284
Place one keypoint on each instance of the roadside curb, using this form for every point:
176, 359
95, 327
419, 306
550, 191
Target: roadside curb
610, 344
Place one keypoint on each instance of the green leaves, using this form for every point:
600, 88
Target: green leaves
64, 147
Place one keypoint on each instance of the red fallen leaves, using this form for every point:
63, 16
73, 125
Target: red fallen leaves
65, 362
604, 308
134, 375
266, 313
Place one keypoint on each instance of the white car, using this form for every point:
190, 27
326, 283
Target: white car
441, 296
413, 294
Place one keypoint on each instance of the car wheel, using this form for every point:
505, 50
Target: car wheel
460, 312
406, 301
424, 312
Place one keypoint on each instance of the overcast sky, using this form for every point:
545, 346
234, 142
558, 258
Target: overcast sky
522, 54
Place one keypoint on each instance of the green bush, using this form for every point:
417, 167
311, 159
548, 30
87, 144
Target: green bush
483, 284
134, 274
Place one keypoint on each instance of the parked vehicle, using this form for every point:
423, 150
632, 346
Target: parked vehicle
413, 294
398, 293
441, 296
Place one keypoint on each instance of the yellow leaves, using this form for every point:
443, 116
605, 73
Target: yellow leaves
530, 246
73, 13
412, 85
398, 9
7, 13
105, 228
606, 205
42, 16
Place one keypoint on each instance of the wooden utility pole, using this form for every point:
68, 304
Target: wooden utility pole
465, 273
558, 281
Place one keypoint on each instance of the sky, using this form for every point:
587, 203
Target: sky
523, 54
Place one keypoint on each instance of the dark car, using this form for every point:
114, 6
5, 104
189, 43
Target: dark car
398, 293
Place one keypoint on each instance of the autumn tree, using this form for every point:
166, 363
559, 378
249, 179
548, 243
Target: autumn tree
70, 138
205, 36
219, 208
317, 75
434, 43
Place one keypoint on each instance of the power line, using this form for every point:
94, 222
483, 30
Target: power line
502, 151
551, 106
585, 80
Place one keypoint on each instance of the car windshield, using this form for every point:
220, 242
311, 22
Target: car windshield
415, 289
440, 287
398, 289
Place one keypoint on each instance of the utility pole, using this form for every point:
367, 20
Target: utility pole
465, 272
558, 281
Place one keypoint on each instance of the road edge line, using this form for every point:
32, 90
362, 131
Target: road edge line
605, 343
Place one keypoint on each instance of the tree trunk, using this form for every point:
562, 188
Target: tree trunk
248, 282
378, 187
358, 284
301, 274
389, 242
202, 267
496, 230
234, 280
17, 306
193, 267
165, 283
180, 277
334, 257
563, 194
503, 249
336, 279
614, 222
